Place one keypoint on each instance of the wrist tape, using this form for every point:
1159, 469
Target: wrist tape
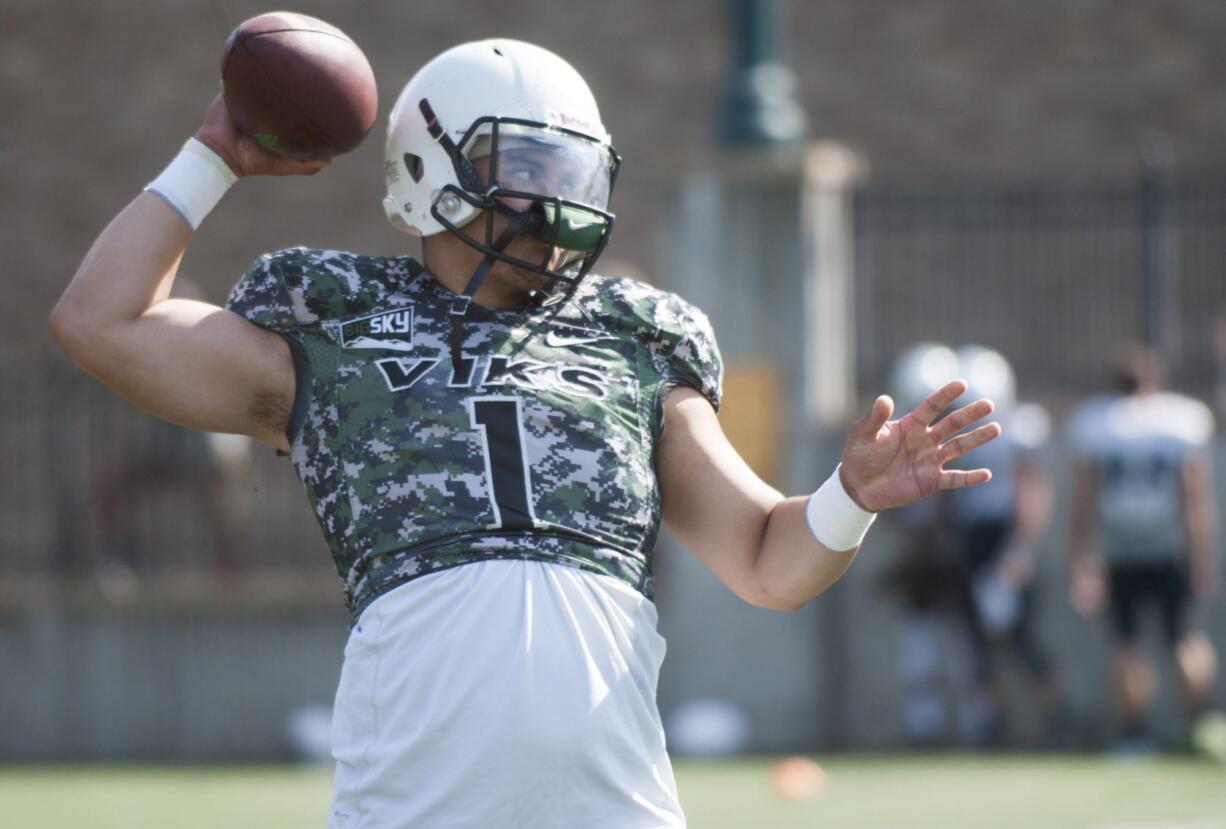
194, 182
836, 521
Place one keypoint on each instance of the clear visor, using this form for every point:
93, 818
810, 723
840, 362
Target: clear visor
544, 162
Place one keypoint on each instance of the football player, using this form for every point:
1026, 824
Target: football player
1144, 531
967, 575
997, 530
489, 438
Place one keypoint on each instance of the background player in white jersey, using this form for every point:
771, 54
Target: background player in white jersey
489, 439
1144, 530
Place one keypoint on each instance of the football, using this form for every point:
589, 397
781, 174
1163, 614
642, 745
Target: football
298, 86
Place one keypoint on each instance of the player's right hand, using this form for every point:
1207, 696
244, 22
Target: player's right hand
244, 156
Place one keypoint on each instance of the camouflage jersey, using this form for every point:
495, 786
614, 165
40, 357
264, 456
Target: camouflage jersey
539, 445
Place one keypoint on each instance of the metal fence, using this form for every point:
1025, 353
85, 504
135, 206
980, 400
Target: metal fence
103, 497
1055, 277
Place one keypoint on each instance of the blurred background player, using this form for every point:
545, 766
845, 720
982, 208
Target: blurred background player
925, 576
966, 574
997, 532
1144, 532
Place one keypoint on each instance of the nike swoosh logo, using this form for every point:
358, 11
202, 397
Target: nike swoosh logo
557, 340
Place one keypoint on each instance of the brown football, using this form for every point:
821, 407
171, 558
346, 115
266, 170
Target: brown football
299, 86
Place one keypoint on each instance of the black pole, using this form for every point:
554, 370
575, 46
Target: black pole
1159, 255
760, 104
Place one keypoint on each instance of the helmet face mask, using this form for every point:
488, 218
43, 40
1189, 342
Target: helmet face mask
503, 129
553, 182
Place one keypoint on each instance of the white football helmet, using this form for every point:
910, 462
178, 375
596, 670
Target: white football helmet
497, 121
988, 374
918, 371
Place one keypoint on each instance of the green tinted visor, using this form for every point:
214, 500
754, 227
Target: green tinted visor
569, 226
551, 183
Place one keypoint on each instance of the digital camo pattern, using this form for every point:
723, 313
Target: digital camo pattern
538, 446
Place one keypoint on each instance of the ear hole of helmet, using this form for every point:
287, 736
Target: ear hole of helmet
413, 164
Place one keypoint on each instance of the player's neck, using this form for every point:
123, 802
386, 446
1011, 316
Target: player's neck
452, 266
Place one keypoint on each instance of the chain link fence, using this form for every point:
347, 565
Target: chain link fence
103, 501
1056, 278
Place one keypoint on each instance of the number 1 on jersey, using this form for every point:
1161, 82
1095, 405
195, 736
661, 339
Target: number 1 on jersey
499, 420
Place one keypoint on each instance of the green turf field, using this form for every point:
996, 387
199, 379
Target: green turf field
914, 791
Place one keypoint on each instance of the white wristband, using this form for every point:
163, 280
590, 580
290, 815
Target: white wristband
836, 521
194, 182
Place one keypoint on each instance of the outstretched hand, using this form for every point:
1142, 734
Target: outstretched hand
892, 463
243, 155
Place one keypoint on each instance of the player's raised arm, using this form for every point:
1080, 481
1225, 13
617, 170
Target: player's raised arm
189, 362
780, 552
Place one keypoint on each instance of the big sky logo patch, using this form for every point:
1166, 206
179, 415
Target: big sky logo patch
388, 330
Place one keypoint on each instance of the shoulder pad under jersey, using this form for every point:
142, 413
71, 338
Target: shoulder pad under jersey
305, 286
677, 335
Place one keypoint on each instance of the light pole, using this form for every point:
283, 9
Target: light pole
760, 105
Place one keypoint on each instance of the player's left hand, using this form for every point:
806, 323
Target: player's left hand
892, 463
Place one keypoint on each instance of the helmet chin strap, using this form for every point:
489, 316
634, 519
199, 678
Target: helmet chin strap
519, 221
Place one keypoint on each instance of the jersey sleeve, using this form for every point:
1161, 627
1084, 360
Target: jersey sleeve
262, 297
694, 360
1191, 421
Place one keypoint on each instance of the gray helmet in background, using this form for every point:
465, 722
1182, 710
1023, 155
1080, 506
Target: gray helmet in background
918, 371
987, 374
